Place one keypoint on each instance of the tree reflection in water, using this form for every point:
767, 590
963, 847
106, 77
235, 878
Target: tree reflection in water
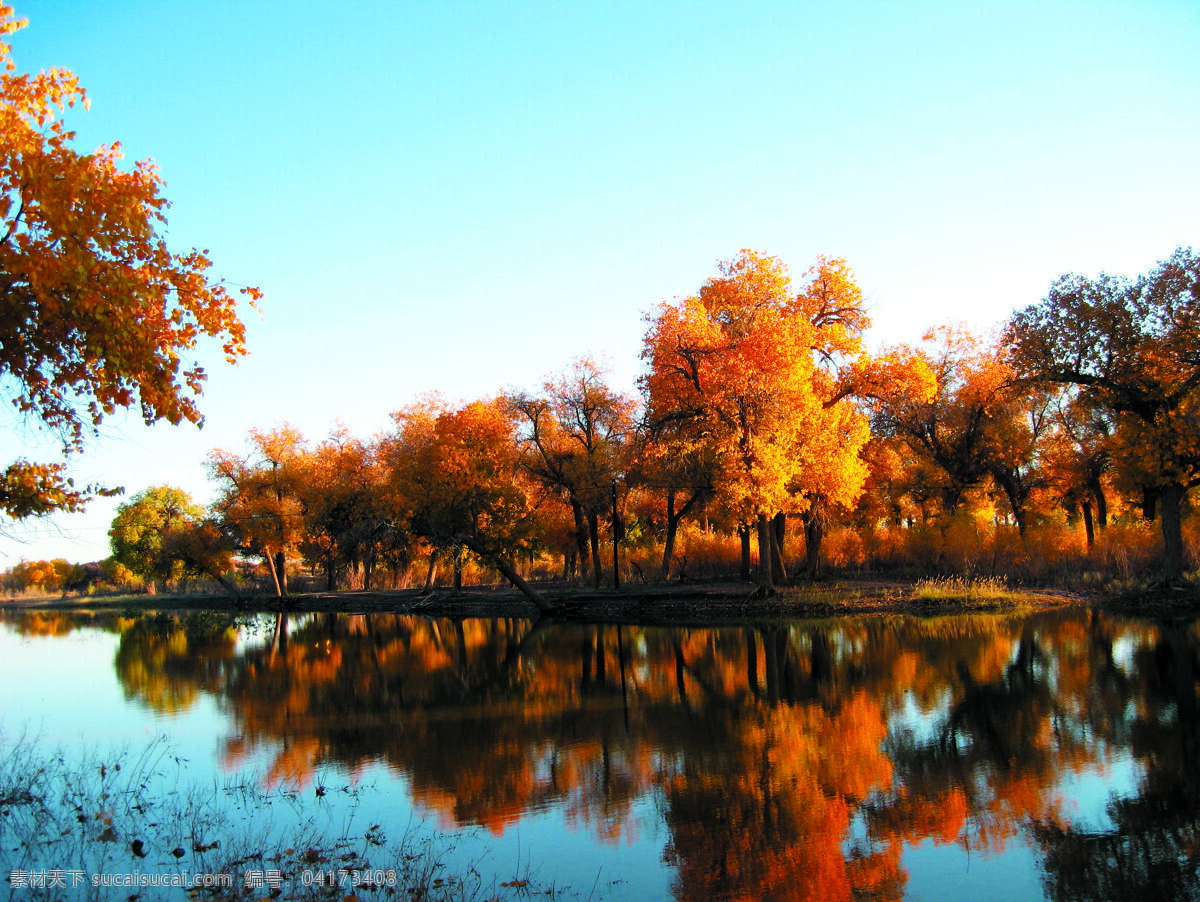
787, 760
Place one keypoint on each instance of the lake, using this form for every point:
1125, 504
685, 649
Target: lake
1023, 756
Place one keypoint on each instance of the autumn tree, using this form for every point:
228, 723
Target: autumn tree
347, 519
259, 504
755, 378
574, 434
1132, 346
1079, 460
978, 427
456, 474
96, 312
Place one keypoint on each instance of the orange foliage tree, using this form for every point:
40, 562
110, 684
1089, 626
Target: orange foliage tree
749, 376
348, 517
260, 497
457, 478
977, 426
98, 314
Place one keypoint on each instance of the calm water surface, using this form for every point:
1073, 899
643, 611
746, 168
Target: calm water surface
1001, 757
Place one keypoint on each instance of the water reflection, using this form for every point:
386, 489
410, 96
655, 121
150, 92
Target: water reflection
793, 760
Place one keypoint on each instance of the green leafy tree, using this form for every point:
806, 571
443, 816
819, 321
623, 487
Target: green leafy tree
145, 531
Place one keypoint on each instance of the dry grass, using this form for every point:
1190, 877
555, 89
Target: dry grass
987, 591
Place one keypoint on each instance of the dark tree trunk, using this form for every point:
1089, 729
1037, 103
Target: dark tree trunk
509, 572
1172, 500
673, 520
1088, 528
1101, 505
1149, 503
744, 535
458, 568
814, 532
669, 543
778, 571
766, 582
581, 539
1016, 491
594, 536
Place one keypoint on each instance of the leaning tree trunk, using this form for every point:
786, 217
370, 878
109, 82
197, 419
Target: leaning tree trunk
1088, 526
431, 573
509, 572
270, 561
280, 564
778, 571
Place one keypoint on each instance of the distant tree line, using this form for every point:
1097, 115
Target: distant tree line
761, 417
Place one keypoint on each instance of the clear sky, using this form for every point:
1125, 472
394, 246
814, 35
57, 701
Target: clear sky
466, 195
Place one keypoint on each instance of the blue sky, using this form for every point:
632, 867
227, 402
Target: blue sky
464, 195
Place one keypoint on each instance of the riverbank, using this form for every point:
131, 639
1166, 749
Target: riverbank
641, 604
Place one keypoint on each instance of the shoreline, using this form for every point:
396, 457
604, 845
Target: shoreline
725, 602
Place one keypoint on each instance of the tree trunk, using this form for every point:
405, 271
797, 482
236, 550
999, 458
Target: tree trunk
280, 566
814, 532
594, 536
1171, 497
1017, 493
766, 584
1088, 527
431, 573
270, 561
669, 543
581, 541
1101, 504
778, 571
673, 521
744, 535
509, 572
458, 568
1149, 502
